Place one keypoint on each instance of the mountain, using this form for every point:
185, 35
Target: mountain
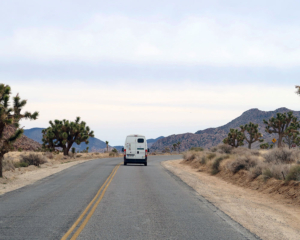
95, 144
213, 136
152, 140
23, 142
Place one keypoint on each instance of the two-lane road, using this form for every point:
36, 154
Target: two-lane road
100, 199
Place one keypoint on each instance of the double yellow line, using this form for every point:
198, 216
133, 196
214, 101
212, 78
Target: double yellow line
90, 214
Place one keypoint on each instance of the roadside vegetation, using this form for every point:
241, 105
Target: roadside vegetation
282, 164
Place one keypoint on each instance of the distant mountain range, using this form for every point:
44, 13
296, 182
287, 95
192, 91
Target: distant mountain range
95, 144
213, 136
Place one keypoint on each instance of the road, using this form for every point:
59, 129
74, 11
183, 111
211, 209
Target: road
100, 199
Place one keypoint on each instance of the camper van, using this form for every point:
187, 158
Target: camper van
135, 149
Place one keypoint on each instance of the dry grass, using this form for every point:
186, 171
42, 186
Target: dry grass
281, 164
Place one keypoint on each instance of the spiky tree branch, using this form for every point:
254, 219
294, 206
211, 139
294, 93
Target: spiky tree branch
251, 134
280, 125
62, 134
235, 138
11, 116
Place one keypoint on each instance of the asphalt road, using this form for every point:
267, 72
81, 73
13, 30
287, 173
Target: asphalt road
135, 202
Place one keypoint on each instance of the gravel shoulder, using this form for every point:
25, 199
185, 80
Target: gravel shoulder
263, 215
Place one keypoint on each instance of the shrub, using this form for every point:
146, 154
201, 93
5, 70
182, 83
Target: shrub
254, 152
112, 154
294, 174
254, 172
279, 155
197, 149
189, 156
225, 148
73, 150
20, 164
267, 174
214, 149
33, 159
203, 160
240, 151
242, 162
8, 164
216, 165
114, 150
166, 150
49, 155
78, 155
211, 156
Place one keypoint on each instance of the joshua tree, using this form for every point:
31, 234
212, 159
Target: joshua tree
280, 125
178, 146
107, 145
235, 138
298, 90
174, 147
62, 134
10, 117
251, 134
292, 134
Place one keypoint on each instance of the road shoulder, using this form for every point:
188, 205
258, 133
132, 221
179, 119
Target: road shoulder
266, 217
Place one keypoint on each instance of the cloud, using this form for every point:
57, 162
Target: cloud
200, 40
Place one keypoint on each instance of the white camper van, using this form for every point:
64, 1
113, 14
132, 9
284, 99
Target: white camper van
135, 149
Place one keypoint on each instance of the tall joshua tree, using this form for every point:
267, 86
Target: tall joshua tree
174, 146
235, 138
62, 134
280, 125
251, 134
292, 134
178, 146
106, 145
11, 116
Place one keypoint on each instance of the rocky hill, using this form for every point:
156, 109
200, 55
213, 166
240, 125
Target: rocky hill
213, 136
23, 142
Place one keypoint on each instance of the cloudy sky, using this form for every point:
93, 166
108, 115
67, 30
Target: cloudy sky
156, 67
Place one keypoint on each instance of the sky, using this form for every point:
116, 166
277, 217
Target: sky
156, 67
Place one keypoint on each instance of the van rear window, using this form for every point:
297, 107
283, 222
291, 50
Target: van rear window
140, 140
140, 149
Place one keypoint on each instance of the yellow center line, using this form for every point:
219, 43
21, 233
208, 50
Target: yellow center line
94, 208
91, 203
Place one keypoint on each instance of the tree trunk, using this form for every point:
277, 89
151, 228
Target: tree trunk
280, 141
66, 151
249, 145
1, 160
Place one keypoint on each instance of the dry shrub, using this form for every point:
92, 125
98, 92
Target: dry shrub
214, 149
254, 152
203, 160
225, 148
78, 155
49, 155
280, 155
189, 156
242, 162
197, 149
33, 159
211, 156
215, 168
113, 154
240, 151
96, 153
8, 164
294, 174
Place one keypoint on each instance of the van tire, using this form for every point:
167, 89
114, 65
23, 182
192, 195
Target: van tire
145, 164
125, 163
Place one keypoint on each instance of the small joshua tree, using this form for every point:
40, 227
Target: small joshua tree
292, 134
235, 138
11, 116
178, 146
251, 134
106, 145
174, 147
62, 134
280, 125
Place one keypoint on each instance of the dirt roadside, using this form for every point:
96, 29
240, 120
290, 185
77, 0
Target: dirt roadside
270, 219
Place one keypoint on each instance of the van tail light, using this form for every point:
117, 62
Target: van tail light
146, 152
124, 152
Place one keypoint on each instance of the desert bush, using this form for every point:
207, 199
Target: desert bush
242, 162
211, 156
73, 150
33, 159
294, 173
225, 148
8, 164
49, 155
78, 155
254, 152
267, 174
114, 150
240, 151
203, 160
20, 164
280, 155
197, 149
214, 149
215, 168
111, 154
255, 172
96, 153
189, 156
